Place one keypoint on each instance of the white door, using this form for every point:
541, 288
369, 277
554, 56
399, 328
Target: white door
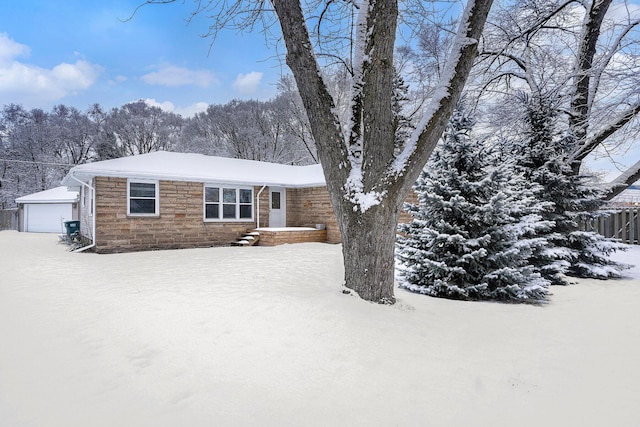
46, 217
277, 207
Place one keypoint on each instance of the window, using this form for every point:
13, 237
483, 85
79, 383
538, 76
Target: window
87, 196
246, 203
143, 198
275, 200
228, 204
212, 202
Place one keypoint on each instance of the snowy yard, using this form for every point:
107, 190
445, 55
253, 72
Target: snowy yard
263, 336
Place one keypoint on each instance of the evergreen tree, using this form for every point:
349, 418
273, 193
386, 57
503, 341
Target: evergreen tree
574, 198
475, 226
401, 123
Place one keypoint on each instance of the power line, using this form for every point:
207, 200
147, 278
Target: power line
36, 163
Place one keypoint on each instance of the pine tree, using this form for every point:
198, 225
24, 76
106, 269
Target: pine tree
574, 198
401, 123
475, 226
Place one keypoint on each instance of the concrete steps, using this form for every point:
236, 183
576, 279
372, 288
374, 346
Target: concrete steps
249, 238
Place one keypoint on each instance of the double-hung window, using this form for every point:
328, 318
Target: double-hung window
228, 203
142, 198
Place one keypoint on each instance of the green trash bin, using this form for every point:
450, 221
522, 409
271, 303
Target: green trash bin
71, 227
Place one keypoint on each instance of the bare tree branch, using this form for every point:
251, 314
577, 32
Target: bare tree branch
586, 51
417, 151
622, 182
597, 139
602, 66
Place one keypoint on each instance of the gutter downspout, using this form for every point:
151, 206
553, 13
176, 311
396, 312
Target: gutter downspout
258, 203
93, 216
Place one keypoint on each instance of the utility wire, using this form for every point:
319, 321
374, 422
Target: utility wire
35, 163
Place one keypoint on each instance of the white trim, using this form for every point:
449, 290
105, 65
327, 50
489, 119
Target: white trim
157, 197
221, 188
93, 207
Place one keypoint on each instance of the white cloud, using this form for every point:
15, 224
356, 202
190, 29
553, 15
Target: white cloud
247, 83
9, 49
166, 105
192, 109
117, 79
187, 111
171, 75
27, 84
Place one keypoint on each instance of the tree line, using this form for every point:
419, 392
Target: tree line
37, 147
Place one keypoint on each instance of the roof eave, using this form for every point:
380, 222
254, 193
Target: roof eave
87, 175
41, 202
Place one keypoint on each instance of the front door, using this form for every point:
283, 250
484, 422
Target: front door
277, 207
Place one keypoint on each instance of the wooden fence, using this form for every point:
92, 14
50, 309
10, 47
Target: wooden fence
8, 219
623, 224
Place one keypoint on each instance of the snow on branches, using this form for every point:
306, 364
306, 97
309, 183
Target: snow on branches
476, 224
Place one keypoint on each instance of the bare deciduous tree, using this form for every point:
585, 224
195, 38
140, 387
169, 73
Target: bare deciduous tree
268, 131
138, 128
581, 53
31, 156
75, 132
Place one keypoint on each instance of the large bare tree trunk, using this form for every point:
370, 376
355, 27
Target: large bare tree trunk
366, 181
368, 245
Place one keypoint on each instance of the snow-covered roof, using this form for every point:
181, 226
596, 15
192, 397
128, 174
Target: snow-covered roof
199, 168
53, 195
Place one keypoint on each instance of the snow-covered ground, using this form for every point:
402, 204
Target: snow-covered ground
263, 336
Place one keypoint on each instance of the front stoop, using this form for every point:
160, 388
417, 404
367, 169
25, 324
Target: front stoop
289, 235
249, 238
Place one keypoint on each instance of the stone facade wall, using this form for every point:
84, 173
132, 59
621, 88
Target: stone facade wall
180, 223
274, 238
264, 206
307, 207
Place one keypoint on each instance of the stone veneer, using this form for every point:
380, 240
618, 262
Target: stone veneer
310, 206
180, 223
307, 207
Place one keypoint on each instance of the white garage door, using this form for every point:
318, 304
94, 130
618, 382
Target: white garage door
46, 218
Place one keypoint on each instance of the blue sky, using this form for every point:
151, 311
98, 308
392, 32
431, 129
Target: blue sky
78, 53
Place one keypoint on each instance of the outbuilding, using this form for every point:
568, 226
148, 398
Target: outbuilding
47, 211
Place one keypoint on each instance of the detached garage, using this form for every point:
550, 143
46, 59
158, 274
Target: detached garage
46, 211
